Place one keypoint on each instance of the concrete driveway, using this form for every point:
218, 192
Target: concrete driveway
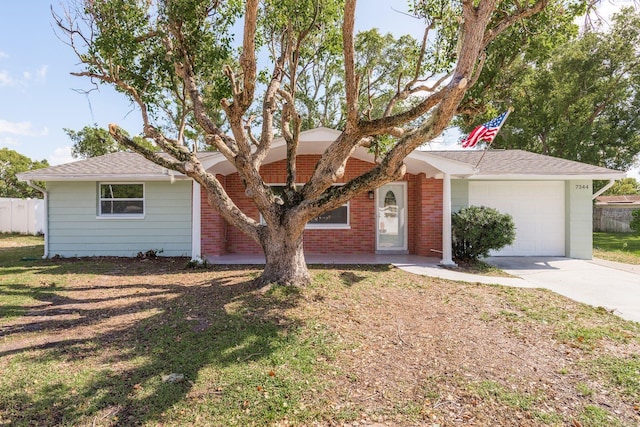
596, 282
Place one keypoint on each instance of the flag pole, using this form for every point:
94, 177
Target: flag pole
490, 142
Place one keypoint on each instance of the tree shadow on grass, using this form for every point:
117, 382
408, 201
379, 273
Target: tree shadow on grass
90, 357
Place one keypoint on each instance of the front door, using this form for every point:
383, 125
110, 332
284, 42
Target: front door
391, 217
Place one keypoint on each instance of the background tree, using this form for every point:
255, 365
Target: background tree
93, 141
578, 102
176, 56
627, 186
11, 163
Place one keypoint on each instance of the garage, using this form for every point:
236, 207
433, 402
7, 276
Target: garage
537, 208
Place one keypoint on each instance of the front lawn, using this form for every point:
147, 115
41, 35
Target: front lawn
620, 247
110, 342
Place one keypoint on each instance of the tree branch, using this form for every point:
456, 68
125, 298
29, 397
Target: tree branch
351, 79
492, 33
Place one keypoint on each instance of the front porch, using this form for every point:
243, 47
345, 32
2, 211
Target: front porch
240, 259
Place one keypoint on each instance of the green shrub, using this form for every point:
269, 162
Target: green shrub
635, 221
479, 229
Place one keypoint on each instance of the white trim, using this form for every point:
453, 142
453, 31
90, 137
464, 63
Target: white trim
550, 177
111, 178
603, 189
122, 216
447, 258
327, 227
196, 223
116, 217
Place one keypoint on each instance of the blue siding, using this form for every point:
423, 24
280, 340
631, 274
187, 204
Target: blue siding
76, 230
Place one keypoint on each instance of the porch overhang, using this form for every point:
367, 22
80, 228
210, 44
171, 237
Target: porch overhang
317, 141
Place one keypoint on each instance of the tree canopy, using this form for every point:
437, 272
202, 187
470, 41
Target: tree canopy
577, 100
92, 141
627, 186
12, 163
178, 62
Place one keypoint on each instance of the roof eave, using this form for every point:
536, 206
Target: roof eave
445, 165
547, 177
95, 177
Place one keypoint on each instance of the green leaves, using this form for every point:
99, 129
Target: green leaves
576, 99
92, 141
11, 163
478, 230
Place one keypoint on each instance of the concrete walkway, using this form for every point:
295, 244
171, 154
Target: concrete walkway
596, 282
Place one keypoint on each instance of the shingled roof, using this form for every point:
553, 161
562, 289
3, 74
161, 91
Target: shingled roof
114, 166
497, 163
623, 200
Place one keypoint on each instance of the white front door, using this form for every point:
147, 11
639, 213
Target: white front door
391, 217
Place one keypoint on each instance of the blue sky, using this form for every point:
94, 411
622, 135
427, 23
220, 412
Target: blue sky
39, 97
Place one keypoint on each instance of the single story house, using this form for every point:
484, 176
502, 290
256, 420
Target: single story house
121, 204
613, 213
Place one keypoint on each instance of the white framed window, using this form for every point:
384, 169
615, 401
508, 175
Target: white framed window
120, 200
334, 219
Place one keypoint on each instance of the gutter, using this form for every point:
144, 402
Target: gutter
46, 215
603, 189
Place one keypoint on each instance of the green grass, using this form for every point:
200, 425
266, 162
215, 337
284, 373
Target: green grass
117, 328
594, 416
498, 393
620, 247
242, 364
620, 373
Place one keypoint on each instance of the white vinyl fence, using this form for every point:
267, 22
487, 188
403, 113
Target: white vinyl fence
24, 216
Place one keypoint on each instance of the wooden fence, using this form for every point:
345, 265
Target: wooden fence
612, 219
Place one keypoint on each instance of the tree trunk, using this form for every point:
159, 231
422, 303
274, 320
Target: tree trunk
285, 263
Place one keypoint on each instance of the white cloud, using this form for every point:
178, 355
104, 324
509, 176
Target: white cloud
61, 155
21, 128
39, 75
3, 55
6, 79
8, 141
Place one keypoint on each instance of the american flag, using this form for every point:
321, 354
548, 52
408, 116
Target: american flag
486, 131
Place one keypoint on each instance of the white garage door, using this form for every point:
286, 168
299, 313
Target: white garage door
537, 208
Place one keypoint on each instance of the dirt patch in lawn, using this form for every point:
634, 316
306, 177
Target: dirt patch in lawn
397, 349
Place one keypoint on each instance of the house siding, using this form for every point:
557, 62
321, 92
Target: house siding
459, 194
579, 219
424, 210
75, 229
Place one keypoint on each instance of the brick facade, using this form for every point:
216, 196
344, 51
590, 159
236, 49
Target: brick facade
424, 215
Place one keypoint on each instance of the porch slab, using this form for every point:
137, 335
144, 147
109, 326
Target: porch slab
343, 259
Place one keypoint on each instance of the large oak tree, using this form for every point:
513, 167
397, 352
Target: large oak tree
176, 60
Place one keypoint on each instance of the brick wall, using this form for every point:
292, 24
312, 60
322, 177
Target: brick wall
213, 226
425, 199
